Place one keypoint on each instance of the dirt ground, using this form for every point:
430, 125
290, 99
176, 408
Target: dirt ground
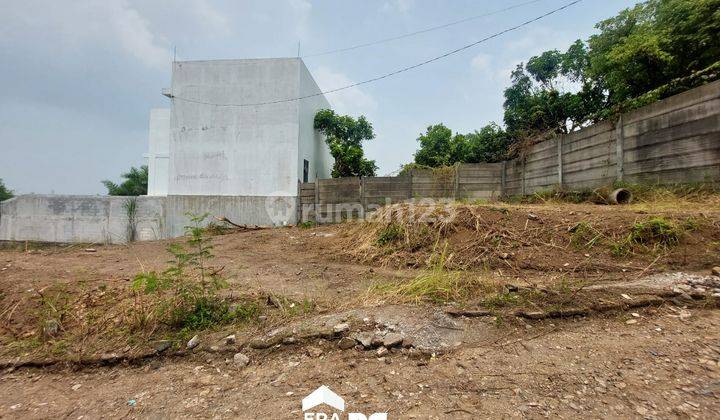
655, 360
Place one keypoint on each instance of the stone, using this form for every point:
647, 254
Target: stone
392, 340
533, 216
289, 340
382, 351
241, 360
376, 341
716, 271
260, 344
364, 338
346, 343
230, 339
194, 342
76, 387
341, 328
631, 321
163, 345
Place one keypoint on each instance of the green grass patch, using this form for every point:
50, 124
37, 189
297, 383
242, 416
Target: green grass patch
389, 234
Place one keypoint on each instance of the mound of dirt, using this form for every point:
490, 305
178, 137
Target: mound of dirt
579, 239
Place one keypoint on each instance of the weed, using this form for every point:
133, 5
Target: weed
655, 231
389, 234
691, 224
187, 289
215, 229
584, 235
130, 206
308, 224
436, 285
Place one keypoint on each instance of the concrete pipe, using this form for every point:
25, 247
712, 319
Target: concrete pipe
620, 196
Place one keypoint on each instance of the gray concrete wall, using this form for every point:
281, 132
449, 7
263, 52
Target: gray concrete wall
311, 144
676, 140
229, 150
104, 219
93, 219
159, 151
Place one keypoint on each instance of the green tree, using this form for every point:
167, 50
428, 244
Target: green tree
490, 144
649, 45
436, 146
344, 136
136, 183
5, 193
537, 100
439, 147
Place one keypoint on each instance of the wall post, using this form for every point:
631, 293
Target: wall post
316, 205
503, 179
456, 181
560, 161
522, 169
619, 149
363, 199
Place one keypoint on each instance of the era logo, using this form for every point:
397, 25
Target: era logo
324, 395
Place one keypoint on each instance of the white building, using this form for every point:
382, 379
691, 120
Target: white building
221, 137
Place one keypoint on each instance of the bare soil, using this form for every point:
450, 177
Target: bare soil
655, 360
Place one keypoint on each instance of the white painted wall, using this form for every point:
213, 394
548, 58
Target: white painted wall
238, 151
159, 152
312, 144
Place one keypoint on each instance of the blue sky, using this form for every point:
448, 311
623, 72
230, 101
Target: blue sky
79, 77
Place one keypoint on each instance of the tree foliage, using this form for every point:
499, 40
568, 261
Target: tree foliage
344, 136
645, 53
5, 192
656, 46
439, 147
136, 183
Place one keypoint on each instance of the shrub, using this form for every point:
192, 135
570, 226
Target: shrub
187, 290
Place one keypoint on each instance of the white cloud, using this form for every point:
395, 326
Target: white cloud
353, 101
75, 26
134, 34
402, 6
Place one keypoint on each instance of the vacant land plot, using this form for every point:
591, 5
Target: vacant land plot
473, 311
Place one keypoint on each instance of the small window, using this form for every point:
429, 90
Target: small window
306, 170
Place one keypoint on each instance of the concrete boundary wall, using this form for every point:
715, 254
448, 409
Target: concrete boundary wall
671, 141
104, 219
676, 140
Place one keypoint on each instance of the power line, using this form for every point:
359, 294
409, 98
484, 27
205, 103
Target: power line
396, 72
422, 31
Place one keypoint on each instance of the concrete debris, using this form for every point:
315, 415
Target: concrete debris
194, 342
163, 345
364, 338
341, 328
346, 343
241, 360
392, 340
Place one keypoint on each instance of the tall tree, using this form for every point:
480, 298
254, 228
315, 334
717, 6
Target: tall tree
647, 46
344, 136
5, 192
136, 183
